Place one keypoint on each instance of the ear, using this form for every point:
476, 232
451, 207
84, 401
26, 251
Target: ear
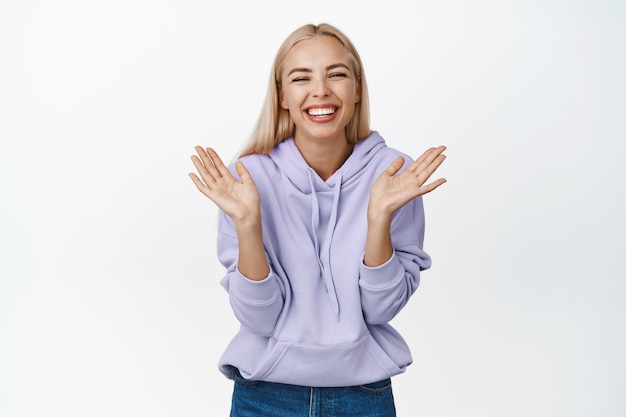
357, 97
281, 99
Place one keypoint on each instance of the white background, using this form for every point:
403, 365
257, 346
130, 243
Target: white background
109, 295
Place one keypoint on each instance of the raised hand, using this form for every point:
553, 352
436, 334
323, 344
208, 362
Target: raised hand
240, 200
390, 192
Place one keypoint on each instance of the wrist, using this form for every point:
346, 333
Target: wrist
378, 218
248, 223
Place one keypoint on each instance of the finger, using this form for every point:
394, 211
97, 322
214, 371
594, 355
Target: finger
202, 157
199, 184
197, 163
420, 159
395, 166
208, 175
202, 154
426, 158
424, 174
431, 186
211, 160
207, 156
243, 172
425, 154
217, 162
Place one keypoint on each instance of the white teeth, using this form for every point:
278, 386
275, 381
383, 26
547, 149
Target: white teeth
321, 112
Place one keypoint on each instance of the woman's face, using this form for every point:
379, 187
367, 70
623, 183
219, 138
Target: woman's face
319, 89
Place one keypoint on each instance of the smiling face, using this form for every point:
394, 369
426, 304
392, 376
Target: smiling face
319, 89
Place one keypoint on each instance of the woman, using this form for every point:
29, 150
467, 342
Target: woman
321, 231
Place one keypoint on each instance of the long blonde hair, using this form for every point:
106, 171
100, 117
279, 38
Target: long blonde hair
275, 124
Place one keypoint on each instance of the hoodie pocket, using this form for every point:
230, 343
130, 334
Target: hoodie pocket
339, 365
270, 361
382, 358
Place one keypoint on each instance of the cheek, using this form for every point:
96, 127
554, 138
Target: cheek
288, 99
351, 94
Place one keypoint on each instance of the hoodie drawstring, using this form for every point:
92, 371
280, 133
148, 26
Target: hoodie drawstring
323, 253
315, 218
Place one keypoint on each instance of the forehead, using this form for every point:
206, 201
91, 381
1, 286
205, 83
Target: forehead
320, 50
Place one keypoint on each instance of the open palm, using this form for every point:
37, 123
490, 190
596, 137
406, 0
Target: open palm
239, 199
390, 192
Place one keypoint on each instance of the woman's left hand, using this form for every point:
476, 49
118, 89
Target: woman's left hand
390, 192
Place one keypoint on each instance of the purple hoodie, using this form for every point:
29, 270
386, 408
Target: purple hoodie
320, 318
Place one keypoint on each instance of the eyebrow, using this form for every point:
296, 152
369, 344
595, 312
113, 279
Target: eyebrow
328, 68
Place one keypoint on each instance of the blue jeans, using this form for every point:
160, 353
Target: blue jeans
269, 399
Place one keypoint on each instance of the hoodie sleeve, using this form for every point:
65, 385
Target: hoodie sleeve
256, 304
386, 289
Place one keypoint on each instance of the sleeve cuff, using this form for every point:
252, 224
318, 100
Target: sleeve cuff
253, 292
382, 276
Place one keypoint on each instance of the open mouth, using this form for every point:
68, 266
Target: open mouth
321, 112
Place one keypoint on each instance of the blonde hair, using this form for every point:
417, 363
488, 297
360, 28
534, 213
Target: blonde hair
275, 124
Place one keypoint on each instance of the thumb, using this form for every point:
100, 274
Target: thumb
242, 171
395, 166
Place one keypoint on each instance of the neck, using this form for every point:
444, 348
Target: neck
325, 157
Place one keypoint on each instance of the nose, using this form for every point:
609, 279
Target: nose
320, 88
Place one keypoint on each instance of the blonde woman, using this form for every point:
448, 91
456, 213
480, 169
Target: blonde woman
321, 232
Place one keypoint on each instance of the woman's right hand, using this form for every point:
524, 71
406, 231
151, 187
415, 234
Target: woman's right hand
239, 200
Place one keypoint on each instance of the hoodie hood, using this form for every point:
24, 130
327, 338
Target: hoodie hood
291, 163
